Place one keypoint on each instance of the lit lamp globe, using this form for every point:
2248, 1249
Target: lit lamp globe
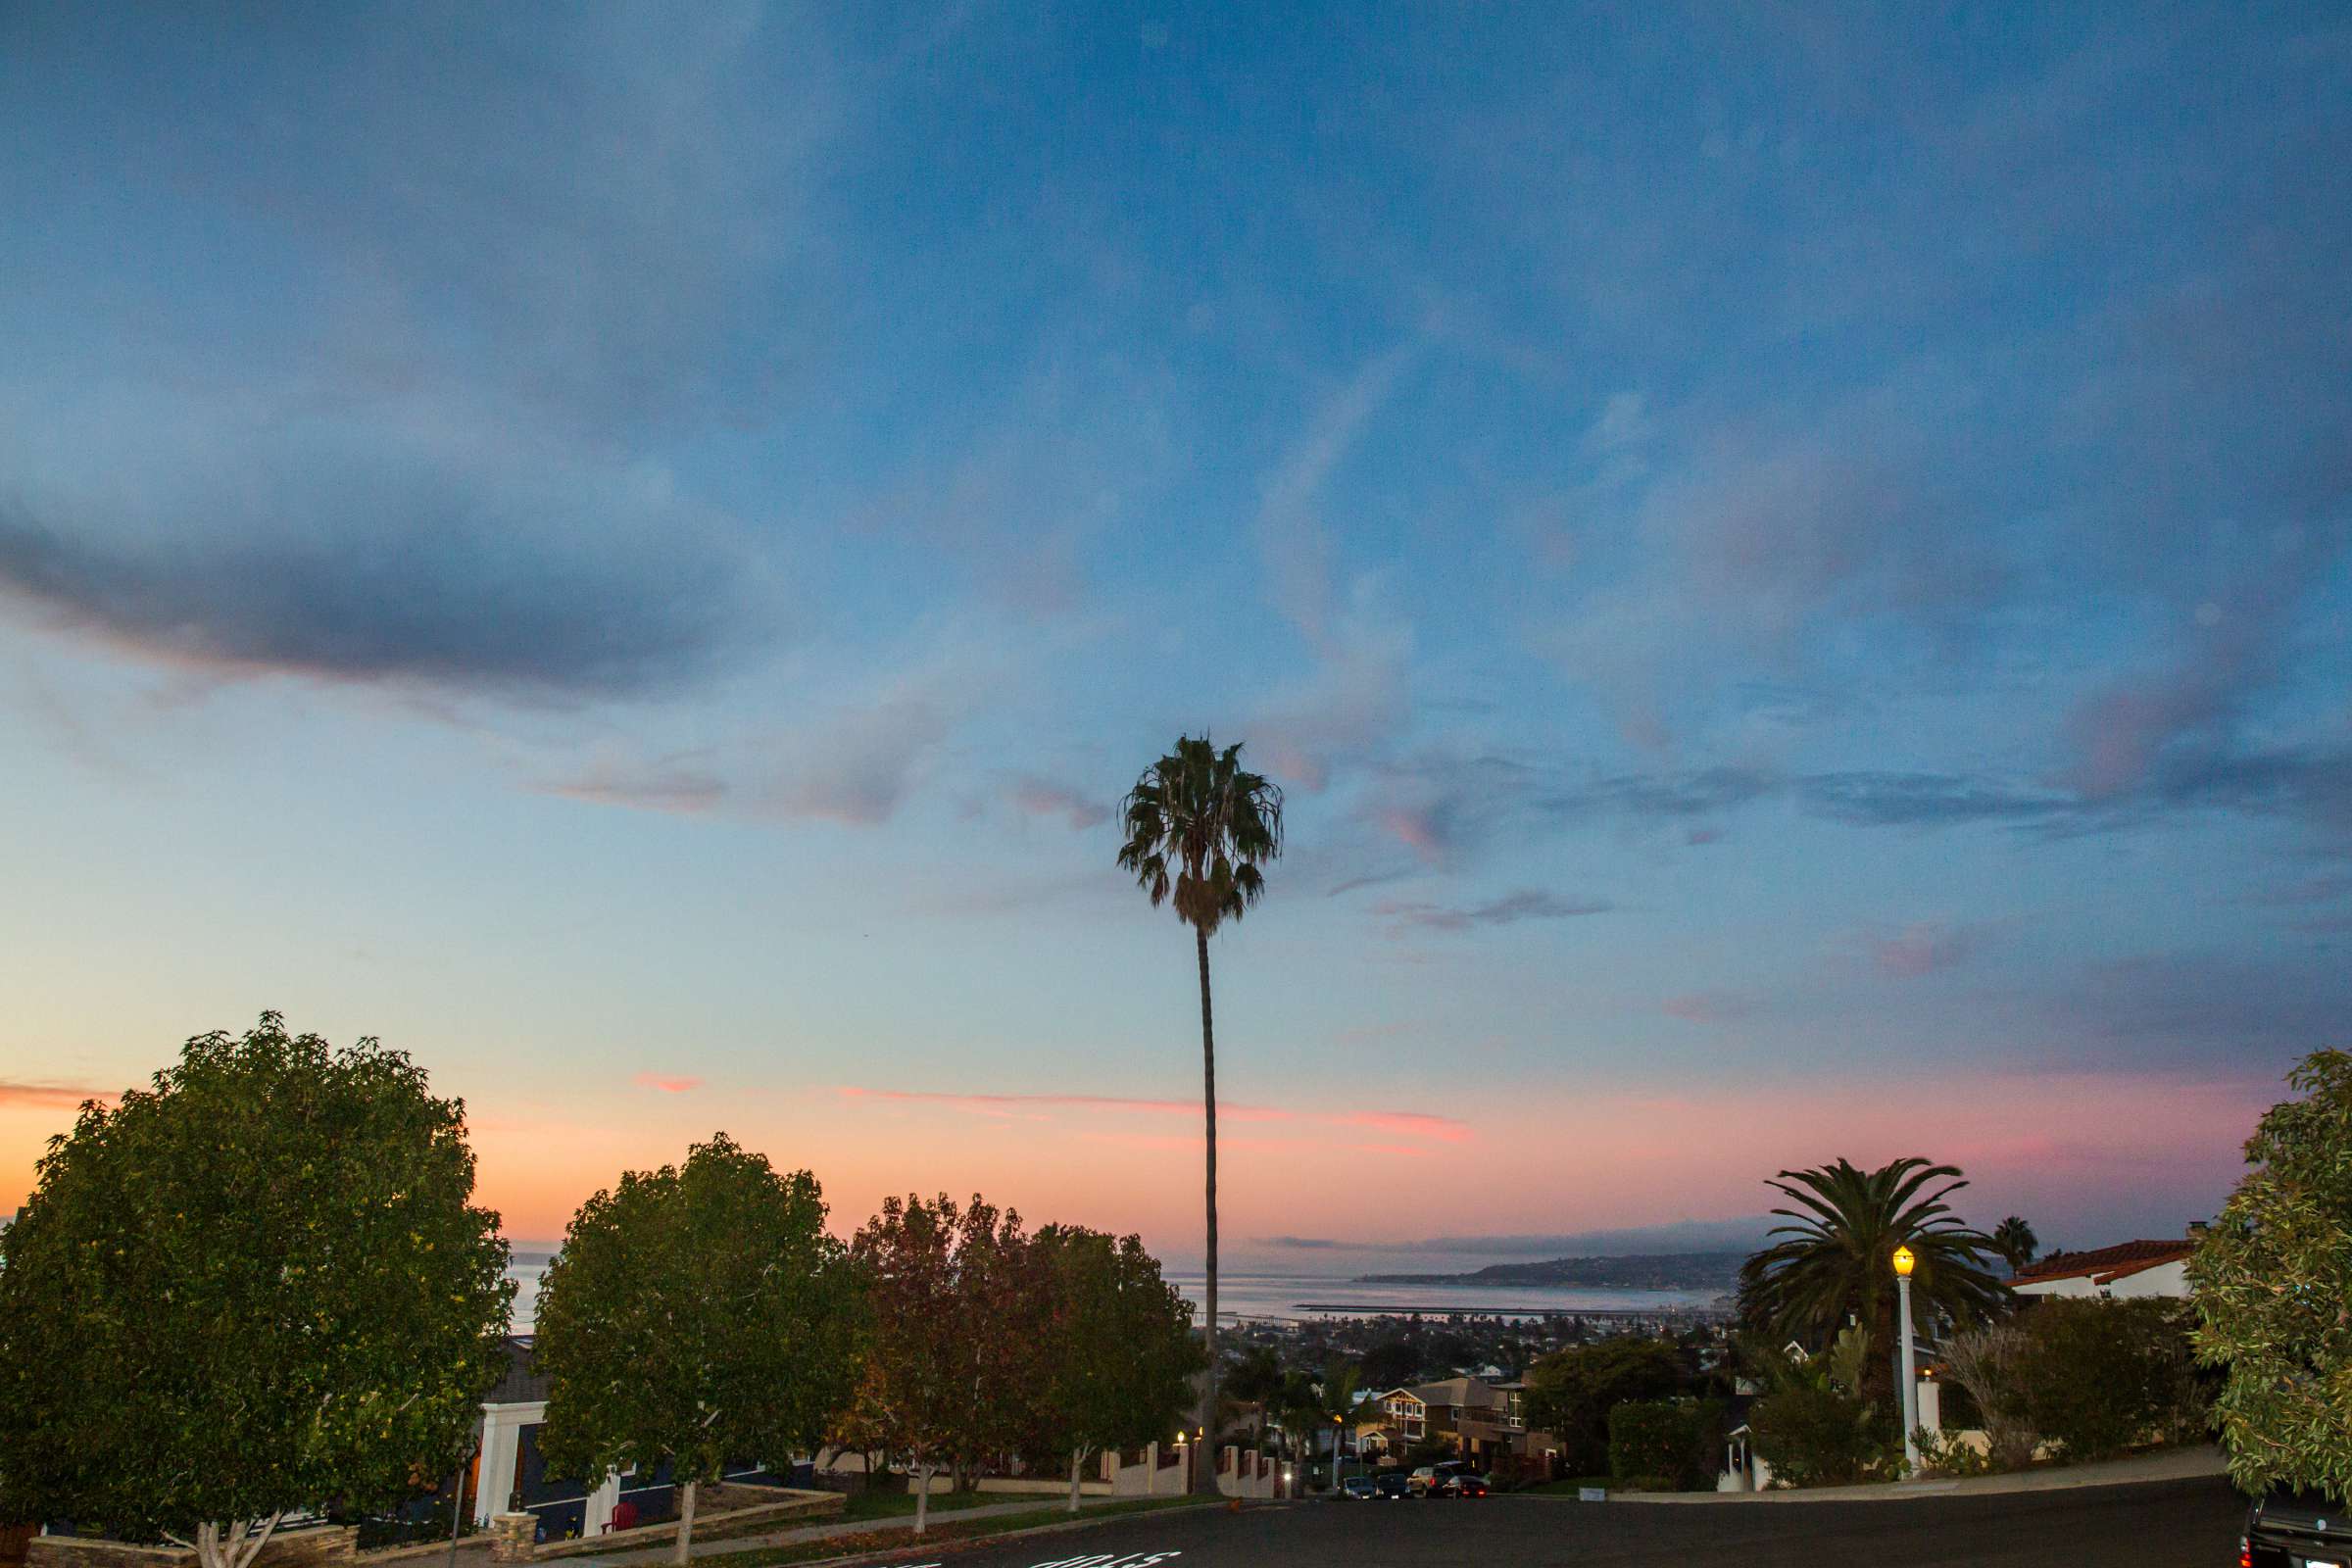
1903, 1261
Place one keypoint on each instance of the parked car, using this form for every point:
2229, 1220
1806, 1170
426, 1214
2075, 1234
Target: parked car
1358, 1488
1465, 1485
1391, 1484
2297, 1530
1430, 1477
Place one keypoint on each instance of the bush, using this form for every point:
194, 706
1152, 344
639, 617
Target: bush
1665, 1444
1988, 1365
1814, 1436
2097, 1377
1570, 1393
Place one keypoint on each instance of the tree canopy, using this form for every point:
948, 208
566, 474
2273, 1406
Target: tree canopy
1117, 1352
1199, 826
2272, 1277
258, 1286
1570, 1393
697, 1315
1833, 1260
2016, 1241
952, 1364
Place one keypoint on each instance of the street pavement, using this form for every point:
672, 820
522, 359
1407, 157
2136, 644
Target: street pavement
2174, 1524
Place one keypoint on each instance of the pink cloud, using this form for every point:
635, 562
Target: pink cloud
49, 1096
1925, 948
1406, 1123
1410, 1123
1417, 830
1036, 797
667, 1085
1707, 1006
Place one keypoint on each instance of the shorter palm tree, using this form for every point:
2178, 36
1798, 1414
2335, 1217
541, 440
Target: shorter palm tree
1831, 1263
2016, 1241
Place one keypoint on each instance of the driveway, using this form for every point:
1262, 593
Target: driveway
2176, 1524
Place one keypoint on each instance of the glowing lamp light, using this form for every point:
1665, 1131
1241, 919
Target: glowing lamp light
1903, 1261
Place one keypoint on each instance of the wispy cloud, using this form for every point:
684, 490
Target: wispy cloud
1038, 797
1528, 904
1407, 1123
1709, 1006
1926, 947
49, 1096
666, 1083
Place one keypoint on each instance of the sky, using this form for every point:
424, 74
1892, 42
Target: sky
1793, 563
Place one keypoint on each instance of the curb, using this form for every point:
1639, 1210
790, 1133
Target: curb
972, 1542
2207, 1465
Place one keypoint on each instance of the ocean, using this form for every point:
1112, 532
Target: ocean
1301, 1297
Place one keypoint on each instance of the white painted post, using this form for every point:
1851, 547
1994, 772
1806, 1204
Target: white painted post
502, 1453
597, 1512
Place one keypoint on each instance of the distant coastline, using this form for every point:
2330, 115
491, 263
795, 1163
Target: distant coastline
1669, 1271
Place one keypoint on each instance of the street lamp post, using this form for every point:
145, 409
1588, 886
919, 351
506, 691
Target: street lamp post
1903, 1264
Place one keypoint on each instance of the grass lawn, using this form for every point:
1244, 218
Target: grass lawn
857, 1544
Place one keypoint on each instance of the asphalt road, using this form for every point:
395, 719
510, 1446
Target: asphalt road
2192, 1524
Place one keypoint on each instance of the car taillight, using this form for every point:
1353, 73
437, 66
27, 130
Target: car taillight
2245, 1552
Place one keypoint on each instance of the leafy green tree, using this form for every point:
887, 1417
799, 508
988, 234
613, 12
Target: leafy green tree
1117, 1352
1834, 1262
1391, 1364
957, 1325
2097, 1377
258, 1286
1570, 1393
1815, 1426
1666, 1444
2273, 1276
696, 1313
2016, 1241
1198, 828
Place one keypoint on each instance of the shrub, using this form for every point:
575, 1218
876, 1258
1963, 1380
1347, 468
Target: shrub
2099, 1377
1570, 1393
1987, 1364
1942, 1453
1813, 1436
1674, 1441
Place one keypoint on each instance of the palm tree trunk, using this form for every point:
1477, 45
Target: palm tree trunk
1209, 1336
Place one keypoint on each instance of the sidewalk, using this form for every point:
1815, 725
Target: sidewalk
663, 1552
2171, 1464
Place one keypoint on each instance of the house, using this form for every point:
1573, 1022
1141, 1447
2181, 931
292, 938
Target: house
2125, 1270
1388, 1424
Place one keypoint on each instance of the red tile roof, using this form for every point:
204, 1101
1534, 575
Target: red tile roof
2105, 1264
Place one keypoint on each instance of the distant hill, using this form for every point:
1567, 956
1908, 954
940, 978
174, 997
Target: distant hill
1667, 1271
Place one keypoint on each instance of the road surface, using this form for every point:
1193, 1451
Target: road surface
2182, 1523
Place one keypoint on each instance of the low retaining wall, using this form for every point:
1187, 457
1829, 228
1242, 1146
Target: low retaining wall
292, 1548
756, 1505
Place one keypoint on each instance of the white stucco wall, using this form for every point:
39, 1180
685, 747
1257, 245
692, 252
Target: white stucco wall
2165, 1279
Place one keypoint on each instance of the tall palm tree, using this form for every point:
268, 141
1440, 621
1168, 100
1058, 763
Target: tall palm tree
2016, 1241
1834, 1261
1198, 826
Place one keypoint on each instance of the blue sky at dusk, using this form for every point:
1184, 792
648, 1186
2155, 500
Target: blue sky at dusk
1795, 564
